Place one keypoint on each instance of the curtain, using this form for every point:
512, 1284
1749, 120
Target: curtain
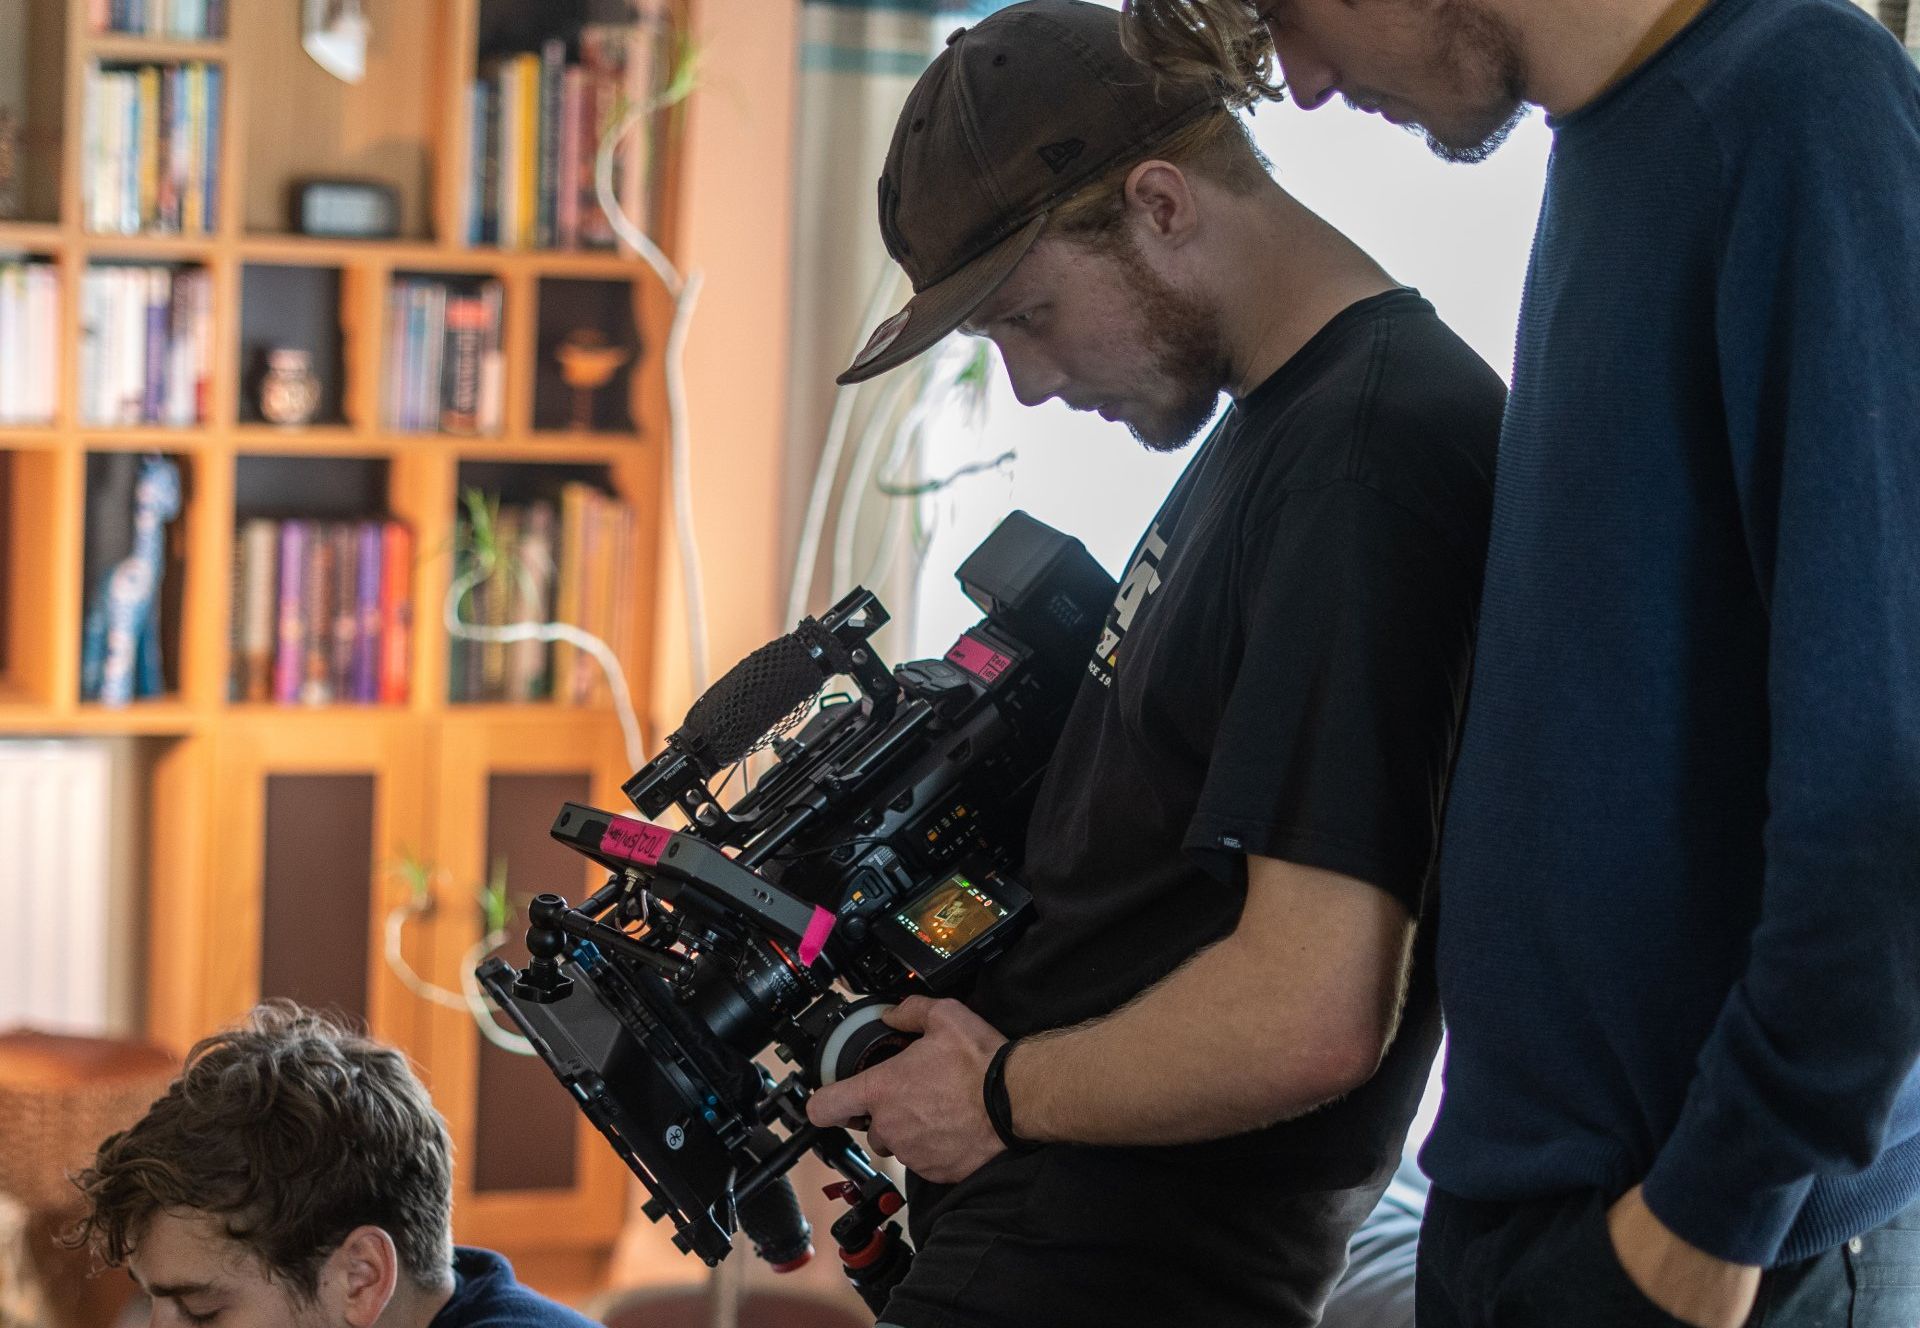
858, 61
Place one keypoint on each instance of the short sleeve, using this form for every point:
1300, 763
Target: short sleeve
1339, 731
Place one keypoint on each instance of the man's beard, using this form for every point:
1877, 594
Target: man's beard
1480, 51
1187, 355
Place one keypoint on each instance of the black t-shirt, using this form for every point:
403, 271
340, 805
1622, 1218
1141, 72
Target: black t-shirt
1283, 673
486, 1295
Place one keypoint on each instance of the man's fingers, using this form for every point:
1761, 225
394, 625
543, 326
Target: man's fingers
910, 1015
838, 1104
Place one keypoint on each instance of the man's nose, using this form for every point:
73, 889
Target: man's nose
1309, 81
1034, 380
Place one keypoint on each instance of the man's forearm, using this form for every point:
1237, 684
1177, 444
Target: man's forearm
1234, 1039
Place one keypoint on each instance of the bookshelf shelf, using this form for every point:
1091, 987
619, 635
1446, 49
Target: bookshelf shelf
31, 237
118, 47
422, 776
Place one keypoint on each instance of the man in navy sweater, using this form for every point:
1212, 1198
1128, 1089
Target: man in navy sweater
1679, 937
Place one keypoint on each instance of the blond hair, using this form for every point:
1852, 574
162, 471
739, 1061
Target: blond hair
1224, 42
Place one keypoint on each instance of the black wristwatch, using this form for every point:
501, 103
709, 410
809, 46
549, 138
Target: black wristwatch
999, 1109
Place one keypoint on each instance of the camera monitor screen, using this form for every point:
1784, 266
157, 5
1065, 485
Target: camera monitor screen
949, 917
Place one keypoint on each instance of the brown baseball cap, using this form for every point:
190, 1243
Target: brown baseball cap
1016, 114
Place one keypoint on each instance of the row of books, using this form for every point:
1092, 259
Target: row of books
190, 20
445, 370
146, 344
29, 341
152, 148
536, 121
323, 611
575, 563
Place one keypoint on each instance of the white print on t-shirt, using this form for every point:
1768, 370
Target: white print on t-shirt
1141, 580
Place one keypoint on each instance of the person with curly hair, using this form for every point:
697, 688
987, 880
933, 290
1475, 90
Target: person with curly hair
296, 1175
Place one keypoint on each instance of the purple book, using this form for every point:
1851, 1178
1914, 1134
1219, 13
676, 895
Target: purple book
159, 299
290, 657
366, 656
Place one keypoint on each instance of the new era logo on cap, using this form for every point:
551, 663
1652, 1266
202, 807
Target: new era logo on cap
1059, 156
883, 336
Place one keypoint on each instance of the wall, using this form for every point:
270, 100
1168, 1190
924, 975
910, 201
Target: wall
736, 226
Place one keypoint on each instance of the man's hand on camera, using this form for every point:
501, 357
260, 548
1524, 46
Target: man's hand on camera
924, 1105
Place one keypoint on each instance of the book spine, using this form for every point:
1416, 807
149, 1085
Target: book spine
553, 55
566, 582
466, 328
396, 611
289, 664
153, 376
256, 610
132, 317
574, 157
209, 151
147, 152
366, 656
506, 154
193, 93
527, 130
493, 658
493, 370
433, 376
344, 540
316, 603
474, 204
535, 598
10, 315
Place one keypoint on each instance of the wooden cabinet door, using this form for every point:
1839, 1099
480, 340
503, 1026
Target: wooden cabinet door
309, 816
532, 1176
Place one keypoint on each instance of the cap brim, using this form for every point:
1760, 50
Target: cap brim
941, 307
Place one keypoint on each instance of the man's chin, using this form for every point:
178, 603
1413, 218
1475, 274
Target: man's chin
1469, 146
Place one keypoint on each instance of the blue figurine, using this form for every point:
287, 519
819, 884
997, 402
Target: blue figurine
120, 655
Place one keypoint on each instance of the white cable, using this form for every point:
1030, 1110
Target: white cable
813, 525
684, 291
601, 653
470, 998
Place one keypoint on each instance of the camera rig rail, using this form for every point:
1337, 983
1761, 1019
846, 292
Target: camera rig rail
877, 855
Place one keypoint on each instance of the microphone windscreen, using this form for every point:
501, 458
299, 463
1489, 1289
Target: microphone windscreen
753, 696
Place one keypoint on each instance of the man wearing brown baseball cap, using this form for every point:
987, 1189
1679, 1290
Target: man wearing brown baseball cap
1176, 1095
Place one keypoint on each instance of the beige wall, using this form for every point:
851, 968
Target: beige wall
736, 228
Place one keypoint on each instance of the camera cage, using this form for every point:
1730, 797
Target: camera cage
876, 856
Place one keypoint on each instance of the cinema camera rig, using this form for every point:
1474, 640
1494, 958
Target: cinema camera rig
877, 856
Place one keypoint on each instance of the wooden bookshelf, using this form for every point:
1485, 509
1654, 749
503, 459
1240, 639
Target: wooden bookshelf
237, 787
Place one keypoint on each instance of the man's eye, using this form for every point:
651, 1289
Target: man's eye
191, 1317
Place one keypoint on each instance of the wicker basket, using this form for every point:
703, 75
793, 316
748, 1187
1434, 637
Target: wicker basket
59, 1097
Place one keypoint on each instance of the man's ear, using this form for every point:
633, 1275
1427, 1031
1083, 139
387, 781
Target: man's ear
1160, 201
361, 1276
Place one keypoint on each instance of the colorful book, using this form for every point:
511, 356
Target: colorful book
367, 577
290, 659
396, 611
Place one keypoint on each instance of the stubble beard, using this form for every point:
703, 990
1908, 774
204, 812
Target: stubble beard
1188, 356
1480, 50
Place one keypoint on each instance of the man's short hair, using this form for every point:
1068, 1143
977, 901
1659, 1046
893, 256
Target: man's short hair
1215, 146
291, 1130
1223, 41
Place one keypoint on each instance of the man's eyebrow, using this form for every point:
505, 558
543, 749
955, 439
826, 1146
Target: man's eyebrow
175, 1290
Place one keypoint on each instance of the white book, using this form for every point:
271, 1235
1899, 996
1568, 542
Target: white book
130, 390
47, 332
11, 408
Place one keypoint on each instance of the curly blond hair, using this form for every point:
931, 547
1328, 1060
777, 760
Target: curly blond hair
1223, 41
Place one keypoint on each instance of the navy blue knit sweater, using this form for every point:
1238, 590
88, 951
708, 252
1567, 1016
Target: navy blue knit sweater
1680, 887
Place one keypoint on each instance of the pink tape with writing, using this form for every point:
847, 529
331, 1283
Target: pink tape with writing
978, 658
816, 937
636, 841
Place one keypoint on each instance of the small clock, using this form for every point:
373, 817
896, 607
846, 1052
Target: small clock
346, 209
